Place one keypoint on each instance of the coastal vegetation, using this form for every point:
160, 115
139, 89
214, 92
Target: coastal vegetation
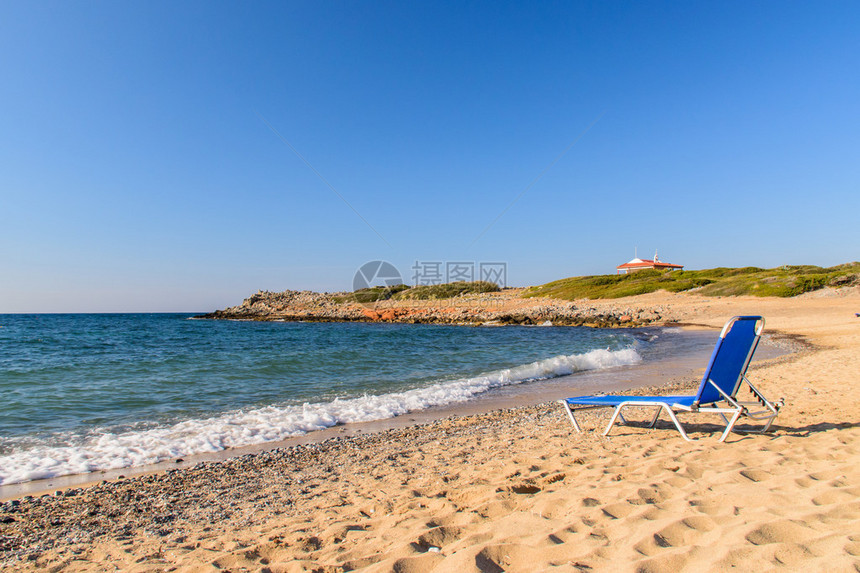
420, 292
372, 294
447, 290
456, 303
785, 281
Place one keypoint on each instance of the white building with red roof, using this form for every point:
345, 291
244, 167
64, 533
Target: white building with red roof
638, 264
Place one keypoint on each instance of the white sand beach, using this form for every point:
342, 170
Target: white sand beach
510, 490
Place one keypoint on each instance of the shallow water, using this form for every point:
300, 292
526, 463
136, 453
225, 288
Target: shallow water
94, 392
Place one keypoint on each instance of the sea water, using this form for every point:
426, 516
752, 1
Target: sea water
86, 392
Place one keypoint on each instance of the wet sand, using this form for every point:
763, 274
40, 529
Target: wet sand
513, 489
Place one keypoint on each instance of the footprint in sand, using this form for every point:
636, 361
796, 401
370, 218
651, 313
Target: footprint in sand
852, 548
454, 519
438, 537
743, 559
550, 479
755, 475
681, 533
524, 488
825, 475
273, 553
338, 533
782, 531
310, 544
655, 493
350, 564
841, 513
563, 535
792, 554
241, 560
495, 509
715, 508
834, 496
507, 557
554, 505
694, 471
653, 513
590, 502
417, 564
618, 510
664, 563
841, 482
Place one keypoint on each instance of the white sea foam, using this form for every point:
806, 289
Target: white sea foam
271, 423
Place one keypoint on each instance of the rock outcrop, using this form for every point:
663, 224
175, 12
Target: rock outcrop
498, 308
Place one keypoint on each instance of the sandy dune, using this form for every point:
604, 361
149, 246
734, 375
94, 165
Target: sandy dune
519, 491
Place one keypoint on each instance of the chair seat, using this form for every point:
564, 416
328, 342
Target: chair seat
686, 401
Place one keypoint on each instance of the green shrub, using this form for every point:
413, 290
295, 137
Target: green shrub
424, 292
373, 294
783, 281
447, 290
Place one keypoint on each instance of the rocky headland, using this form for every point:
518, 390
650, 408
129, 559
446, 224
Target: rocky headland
507, 306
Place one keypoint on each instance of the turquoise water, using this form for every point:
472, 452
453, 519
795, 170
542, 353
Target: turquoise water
99, 391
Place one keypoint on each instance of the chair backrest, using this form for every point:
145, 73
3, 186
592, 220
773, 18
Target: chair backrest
731, 357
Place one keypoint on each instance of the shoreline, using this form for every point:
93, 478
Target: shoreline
531, 393
511, 489
279, 395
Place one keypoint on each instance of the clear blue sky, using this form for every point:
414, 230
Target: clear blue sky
138, 172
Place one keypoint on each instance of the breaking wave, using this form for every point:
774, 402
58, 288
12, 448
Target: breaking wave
104, 450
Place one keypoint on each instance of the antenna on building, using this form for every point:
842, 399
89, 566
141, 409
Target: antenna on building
655, 256
635, 252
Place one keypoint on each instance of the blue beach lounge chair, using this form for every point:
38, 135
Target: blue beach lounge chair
717, 392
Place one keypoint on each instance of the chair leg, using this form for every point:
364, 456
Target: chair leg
656, 415
731, 424
774, 413
615, 416
571, 416
677, 423
762, 430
